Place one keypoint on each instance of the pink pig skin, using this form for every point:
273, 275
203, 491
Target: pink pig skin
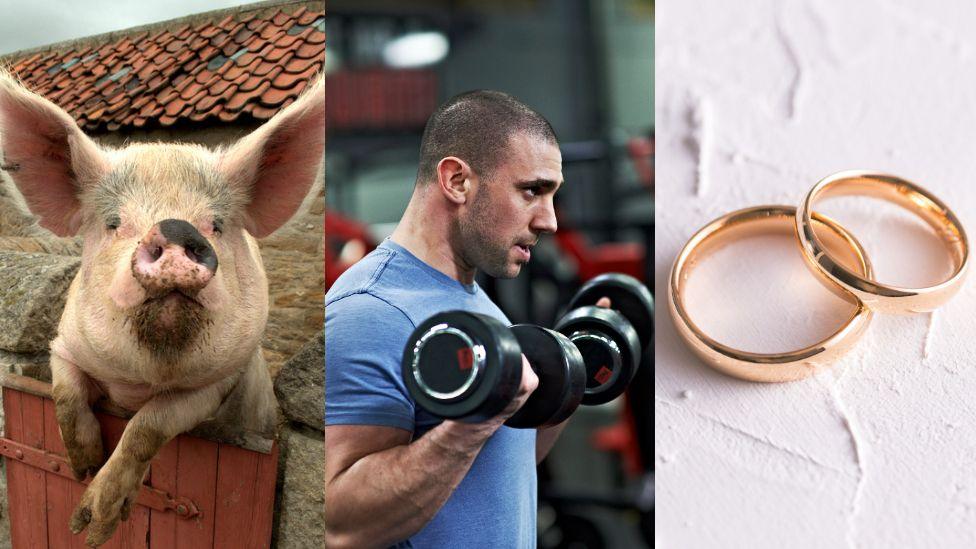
167, 311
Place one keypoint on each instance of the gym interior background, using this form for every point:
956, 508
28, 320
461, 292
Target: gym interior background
587, 66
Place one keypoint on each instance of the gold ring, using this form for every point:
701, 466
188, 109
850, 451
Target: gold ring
879, 297
770, 367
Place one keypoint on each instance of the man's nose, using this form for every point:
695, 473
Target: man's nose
545, 219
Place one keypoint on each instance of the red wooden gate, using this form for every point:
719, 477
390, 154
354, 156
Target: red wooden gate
198, 493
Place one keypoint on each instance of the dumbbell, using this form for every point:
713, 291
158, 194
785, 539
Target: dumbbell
611, 340
466, 365
463, 365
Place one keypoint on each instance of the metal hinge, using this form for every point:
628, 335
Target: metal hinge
153, 498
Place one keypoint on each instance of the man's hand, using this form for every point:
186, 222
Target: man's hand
530, 381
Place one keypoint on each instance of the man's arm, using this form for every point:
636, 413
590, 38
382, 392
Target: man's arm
545, 439
381, 488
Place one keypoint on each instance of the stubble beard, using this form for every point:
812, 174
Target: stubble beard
479, 246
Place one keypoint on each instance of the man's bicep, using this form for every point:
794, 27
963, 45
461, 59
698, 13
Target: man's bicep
347, 444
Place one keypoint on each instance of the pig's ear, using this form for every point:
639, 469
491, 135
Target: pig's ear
276, 164
47, 156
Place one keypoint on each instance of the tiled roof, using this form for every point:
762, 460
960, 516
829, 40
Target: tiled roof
250, 62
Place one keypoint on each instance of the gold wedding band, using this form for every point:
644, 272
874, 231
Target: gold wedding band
879, 297
770, 367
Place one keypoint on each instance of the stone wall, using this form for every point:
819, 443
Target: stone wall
301, 484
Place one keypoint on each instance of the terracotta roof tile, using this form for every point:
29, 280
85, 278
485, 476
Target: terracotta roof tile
274, 97
242, 99
150, 110
310, 51
227, 116
261, 112
272, 32
249, 83
277, 54
209, 31
262, 67
243, 35
281, 19
286, 80
315, 37
249, 64
305, 17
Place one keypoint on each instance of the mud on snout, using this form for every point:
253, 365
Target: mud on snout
173, 262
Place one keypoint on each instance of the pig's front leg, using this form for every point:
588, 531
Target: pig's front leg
73, 394
110, 495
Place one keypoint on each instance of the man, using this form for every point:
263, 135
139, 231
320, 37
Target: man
489, 167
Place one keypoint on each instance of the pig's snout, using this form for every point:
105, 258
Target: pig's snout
173, 256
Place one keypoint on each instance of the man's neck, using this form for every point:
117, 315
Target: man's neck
427, 235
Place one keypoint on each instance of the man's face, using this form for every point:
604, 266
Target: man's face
508, 213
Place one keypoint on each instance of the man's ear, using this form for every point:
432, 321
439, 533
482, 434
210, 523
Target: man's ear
454, 179
48, 157
277, 163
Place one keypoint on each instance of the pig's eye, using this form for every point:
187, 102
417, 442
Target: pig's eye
218, 225
113, 223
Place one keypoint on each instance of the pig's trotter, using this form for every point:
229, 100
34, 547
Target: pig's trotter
107, 500
85, 453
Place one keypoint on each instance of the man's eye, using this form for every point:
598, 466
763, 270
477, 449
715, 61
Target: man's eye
533, 191
113, 223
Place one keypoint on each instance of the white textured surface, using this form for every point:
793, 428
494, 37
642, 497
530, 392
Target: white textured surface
756, 101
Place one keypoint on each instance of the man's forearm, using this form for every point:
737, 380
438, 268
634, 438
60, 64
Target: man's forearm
545, 438
390, 495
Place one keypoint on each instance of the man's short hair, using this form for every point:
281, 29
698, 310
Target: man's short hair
475, 126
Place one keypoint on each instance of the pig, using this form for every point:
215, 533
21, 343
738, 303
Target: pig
167, 310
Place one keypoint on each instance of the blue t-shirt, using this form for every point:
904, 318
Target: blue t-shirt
370, 313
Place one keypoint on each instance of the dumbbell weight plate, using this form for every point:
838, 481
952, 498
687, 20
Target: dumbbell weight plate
562, 377
627, 295
610, 348
458, 364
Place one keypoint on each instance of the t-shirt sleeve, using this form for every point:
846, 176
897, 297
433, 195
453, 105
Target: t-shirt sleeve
364, 339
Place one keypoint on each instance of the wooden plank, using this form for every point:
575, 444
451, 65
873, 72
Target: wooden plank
62, 497
162, 525
17, 486
35, 498
264, 498
196, 474
236, 470
62, 494
26, 384
52, 434
245, 497
14, 426
112, 429
132, 533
